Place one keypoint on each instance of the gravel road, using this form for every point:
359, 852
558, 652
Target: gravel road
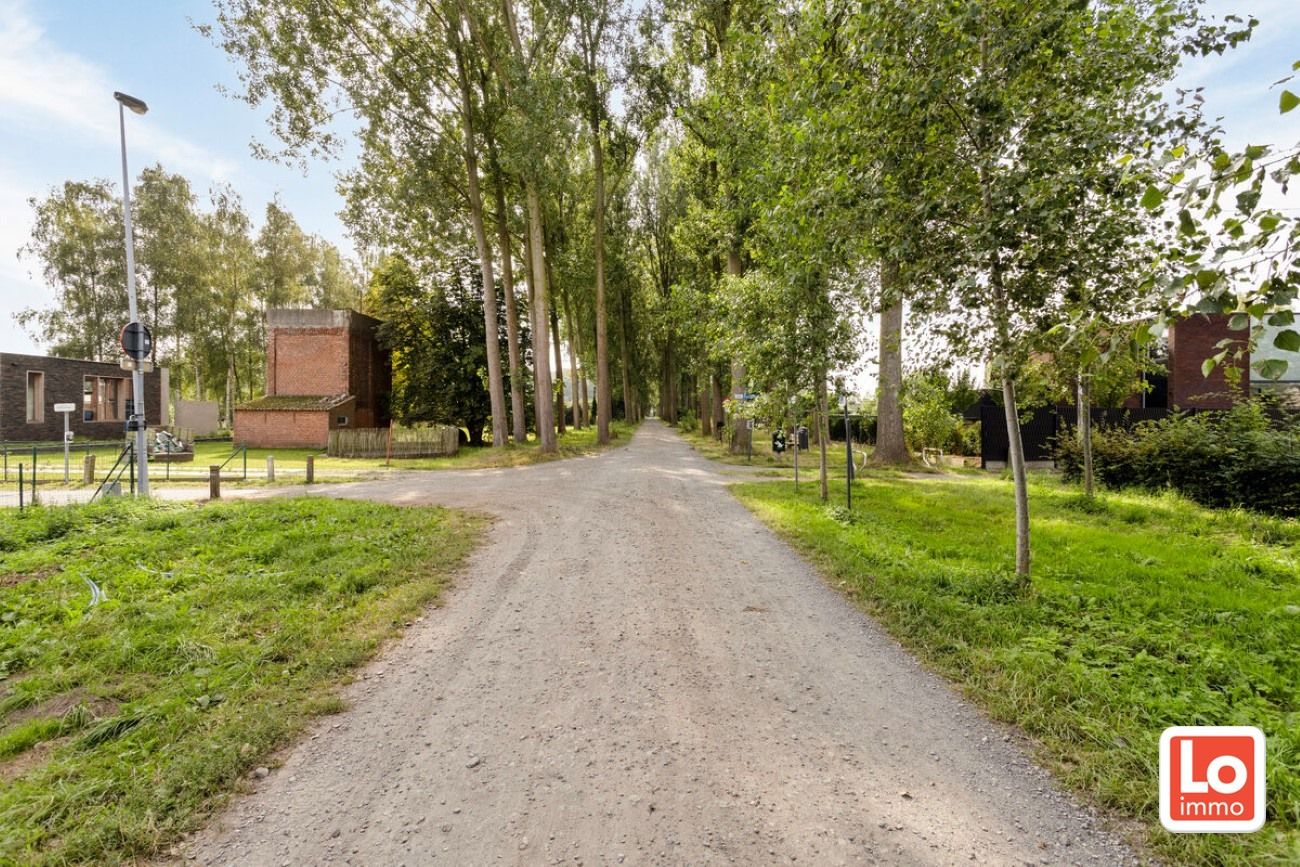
634, 670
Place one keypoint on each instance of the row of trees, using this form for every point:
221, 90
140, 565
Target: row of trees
206, 278
1007, 170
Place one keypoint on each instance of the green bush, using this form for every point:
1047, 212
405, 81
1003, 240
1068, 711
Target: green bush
965, 439
1240, 457
687, 421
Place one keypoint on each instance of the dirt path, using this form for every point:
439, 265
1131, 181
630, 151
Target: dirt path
600, 690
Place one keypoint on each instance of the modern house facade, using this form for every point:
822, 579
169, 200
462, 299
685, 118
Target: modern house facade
325, 369
30, 386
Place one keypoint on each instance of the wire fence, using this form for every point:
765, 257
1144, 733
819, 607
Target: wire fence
38, 473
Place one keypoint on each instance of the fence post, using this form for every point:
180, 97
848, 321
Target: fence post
311, 469
214, 482
88, 470
33, 482
270, 468
20, 487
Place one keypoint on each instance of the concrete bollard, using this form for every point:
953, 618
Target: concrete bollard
88, 470
270, 468
214, 482
311, 469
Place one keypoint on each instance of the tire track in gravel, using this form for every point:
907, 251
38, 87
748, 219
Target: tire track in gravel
634, 670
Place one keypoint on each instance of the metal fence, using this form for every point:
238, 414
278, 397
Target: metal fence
38, 474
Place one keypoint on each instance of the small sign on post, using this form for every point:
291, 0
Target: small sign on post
67, 409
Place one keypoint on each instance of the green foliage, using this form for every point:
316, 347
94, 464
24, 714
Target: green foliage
204, 281
434, 328
1238, 458
1145, 612
927, 419
225, 629
77, 239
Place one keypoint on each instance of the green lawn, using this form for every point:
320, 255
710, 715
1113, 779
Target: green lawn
225, 629
291, 464
1144, 612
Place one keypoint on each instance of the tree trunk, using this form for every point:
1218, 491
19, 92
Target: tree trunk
578, 420
517, 411
891, 447
603, 401
719, 412
496, 386
629, 399
823, 425
231, 375
542, 405
559, 370
706, 411
1085, 430
1016, 458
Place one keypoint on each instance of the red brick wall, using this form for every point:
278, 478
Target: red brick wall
307, 361
282, 429
1191, 341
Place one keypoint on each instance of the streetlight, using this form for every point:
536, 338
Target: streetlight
137, 373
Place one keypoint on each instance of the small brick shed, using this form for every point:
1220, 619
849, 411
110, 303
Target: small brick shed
325, 369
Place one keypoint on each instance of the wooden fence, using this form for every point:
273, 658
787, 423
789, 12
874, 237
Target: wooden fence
397, 442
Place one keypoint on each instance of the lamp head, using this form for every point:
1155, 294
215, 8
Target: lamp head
136, 105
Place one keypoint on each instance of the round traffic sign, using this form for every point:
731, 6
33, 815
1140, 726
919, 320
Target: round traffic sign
137, 342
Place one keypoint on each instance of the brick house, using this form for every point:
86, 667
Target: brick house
1191, 342
325, 369
30, 386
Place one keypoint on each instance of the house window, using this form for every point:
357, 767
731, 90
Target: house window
35, 397
343, 421
105, 398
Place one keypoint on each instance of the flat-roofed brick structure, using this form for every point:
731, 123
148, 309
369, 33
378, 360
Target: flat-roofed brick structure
325, 369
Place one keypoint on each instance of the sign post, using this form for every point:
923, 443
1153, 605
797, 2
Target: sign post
66, 409
137, 343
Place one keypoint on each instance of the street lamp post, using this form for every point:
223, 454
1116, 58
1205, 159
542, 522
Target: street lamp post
137, 374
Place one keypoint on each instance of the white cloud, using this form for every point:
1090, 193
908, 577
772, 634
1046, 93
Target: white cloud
43, 86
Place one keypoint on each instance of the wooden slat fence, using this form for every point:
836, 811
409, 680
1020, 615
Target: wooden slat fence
407, 442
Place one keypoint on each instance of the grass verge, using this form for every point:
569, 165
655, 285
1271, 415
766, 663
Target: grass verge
291, 464
1144, 612
224, 631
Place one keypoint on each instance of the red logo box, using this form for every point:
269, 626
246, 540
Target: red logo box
1212, 779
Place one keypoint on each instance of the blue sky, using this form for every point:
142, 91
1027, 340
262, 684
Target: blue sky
61, 60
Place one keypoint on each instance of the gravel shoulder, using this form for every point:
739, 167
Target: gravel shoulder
634, 670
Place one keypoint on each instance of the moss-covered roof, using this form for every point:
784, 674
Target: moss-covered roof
295, 403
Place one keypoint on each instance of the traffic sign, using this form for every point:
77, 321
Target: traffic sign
137, 342
65, 407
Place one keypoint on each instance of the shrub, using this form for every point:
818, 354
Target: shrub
965, 439
927, 421
1241, 457
687, 421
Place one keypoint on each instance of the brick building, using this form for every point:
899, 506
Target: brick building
30, 386
1191, 342
325, 369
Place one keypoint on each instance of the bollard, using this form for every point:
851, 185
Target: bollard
88, 470
311, 469
270, 468
214, 482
